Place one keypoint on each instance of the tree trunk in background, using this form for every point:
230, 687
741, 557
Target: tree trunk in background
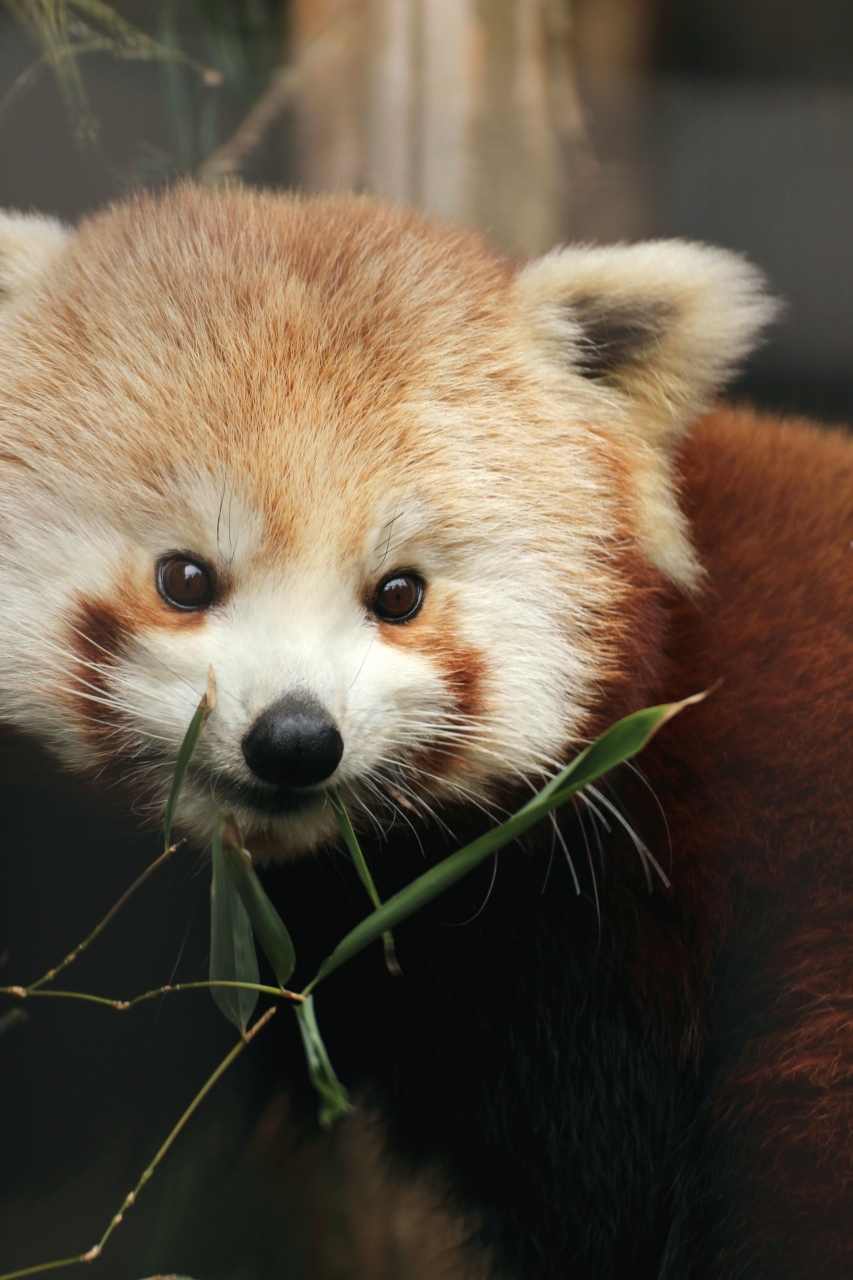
616, 38
465, 108
615, 46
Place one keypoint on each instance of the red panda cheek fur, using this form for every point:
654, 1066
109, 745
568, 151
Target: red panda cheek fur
463, 669
100, 632
612, 1077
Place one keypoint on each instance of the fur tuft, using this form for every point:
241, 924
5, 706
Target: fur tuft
29, 244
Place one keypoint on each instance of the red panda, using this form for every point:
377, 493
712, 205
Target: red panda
436, 519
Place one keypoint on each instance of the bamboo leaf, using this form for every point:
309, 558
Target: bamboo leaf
618, 743
334, 1099
351, 841
187, 747
232, 951
268, 925
624, 739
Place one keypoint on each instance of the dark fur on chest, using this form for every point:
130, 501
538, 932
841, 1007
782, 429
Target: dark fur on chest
515, 1052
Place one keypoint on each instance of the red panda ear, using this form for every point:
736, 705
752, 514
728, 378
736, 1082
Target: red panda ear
639, 338
28, 245
663, 325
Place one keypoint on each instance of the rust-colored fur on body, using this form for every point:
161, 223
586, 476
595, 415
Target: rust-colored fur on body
759, 806
448, 518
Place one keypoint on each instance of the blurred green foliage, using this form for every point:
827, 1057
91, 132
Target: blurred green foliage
214, 59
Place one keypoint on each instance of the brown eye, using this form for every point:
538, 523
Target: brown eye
185, 583
398, 597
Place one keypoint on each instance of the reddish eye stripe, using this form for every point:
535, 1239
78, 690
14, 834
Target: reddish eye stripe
98, 631
463, 670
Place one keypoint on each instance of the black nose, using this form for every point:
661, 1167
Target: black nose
294, 743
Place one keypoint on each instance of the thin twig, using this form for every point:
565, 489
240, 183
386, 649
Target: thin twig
285, 85
24, 993
111, 914
21, 993
130, 1200
196, 986
233, 154
196, 1102
41, 1266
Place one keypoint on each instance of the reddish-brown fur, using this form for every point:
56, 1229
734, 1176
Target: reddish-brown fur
771, 510
99, 630
756, 784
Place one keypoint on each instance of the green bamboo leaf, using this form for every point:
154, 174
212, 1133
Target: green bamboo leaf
618, 743
351, 841
334, 1099
188, 746
232, 951
624, 739
266, 922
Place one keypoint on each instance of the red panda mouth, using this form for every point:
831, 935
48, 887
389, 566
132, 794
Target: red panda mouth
268, 800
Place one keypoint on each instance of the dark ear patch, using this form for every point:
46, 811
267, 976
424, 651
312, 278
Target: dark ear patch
615, 336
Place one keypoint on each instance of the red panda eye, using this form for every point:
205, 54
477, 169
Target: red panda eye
185, 583
398, 597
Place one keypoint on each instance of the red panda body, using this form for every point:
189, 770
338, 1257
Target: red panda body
435, 521
658, 1083
760, 814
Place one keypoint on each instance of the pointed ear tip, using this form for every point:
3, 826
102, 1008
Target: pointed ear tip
667, 264
730, 277
701, 283
728, 296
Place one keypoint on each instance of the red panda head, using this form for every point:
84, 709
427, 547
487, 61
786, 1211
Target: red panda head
403, 496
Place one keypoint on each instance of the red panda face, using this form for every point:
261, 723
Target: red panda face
399, 495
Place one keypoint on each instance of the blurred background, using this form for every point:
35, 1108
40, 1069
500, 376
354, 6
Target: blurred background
538, 121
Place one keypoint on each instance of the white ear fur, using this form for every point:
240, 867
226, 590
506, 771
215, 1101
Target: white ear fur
663, 324
643, 336
29, 243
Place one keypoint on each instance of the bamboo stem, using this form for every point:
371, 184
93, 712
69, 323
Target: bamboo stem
24, 993
99, 928
95, 1252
